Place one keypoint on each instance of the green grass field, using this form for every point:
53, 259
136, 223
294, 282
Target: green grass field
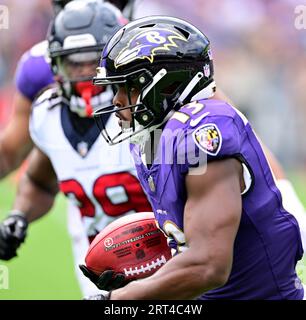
44, 268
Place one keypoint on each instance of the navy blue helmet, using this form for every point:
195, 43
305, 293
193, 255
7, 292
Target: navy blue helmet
76, 38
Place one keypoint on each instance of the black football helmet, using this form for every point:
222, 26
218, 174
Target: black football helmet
76, 37
167, 59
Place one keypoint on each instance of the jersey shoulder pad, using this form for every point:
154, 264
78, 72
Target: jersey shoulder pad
44, 111
40, 49
216, 135
193, 113
49, 97
210, 131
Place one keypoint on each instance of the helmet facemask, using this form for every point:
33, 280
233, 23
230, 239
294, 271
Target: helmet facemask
159, 96
141, 81
76, 38
74, 74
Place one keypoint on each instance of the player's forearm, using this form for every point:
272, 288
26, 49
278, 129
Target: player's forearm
6, 165
11, 159
33, 200
178, 279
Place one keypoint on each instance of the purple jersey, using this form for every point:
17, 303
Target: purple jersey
268, 242
34, 72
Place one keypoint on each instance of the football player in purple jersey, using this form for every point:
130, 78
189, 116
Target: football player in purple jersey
15, 142
202, 167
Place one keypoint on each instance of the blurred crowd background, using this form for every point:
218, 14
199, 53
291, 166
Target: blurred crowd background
260, 60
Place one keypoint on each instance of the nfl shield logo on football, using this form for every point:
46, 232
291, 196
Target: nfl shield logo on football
206, 69
108, 242
82, 148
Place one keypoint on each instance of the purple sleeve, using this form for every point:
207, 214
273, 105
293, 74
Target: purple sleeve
214, 138
32, 75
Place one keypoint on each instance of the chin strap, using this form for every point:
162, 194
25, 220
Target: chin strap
205, 93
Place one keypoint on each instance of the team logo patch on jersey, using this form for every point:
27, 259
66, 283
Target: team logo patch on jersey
145, 45
208, 138
82, 148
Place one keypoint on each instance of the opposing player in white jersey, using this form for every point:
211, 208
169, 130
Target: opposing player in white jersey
32, 75
69, 153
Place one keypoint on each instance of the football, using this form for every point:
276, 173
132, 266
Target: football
133, 245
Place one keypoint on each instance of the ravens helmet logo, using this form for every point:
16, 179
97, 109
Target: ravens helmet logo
145, 44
